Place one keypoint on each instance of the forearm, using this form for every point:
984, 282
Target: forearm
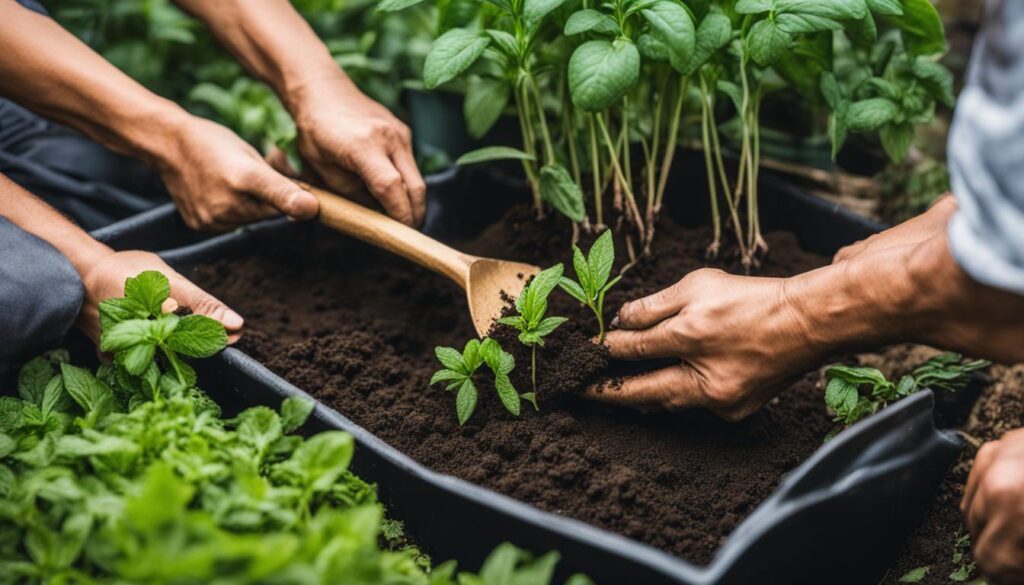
272, 41
48, 70
39, 219
911, 293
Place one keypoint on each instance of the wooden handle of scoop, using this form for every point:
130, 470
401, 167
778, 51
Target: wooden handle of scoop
380, 230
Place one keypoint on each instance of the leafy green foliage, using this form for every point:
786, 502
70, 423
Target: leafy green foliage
491, 153
593, 274
965, 567
915, 575
854, 393
136, 331
532, 322
458, 372
99, 484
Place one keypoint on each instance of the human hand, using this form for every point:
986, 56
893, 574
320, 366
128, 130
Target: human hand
993, 506
104, 278
350, 141
912, 231
740, 340
219, 181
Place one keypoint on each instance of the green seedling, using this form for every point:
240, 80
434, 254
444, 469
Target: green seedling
134, 329
593, 273
531, 322
854, 393
459, 368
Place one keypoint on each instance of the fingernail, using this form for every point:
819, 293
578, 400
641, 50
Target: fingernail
233, 320
615, 323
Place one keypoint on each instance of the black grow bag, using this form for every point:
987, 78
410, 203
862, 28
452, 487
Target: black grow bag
840, 517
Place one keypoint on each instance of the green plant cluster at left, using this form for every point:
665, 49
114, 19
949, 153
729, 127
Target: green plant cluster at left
131, 475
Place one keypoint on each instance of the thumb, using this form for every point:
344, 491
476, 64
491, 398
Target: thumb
271, 187
189, 296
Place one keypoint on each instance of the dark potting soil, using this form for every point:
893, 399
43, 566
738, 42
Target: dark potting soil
998, 410
356, 328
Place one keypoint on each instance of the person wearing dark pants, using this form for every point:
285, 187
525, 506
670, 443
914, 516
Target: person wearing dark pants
145, 146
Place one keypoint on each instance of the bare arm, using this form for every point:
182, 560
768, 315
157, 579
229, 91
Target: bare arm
217, 180
346, 138
102, 270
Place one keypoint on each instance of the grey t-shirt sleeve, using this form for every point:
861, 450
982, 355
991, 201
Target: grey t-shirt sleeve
986, 154
40, 293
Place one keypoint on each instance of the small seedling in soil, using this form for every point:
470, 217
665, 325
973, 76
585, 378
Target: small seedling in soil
592, 273
965, 567
854, 393
915, 575
531, 323
459, 369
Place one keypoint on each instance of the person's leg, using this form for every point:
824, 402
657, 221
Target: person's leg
40, 294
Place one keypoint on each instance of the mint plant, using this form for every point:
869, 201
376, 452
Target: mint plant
135, 330
532, 323
102, 482
593, 274
854, 393
459, 368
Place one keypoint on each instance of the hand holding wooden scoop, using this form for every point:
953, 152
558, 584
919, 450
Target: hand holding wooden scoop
483, 279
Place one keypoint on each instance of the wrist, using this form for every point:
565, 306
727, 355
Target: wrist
152, 133
302, 91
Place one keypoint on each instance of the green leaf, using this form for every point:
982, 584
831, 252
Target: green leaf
601, 72
857, 375
500, 565
579, 264
538, 571
673, 25
86, 389
259, 426
886, 7
897, 140
137, 358
446, 375
651, 48
471, 355
465, 401
396, 5
870, 114
150, 289
534, 12
906, 387
833, 9
451, 358
936, 78
590, 20
507, 393
561, 192
713, 33
486, 99
113, 311
806, 23
546, 281
841, 396
33, 378
197, 336
549, 324
489, 153
600, 259
8, 445
921, 28
322, 458
914, 575
295, 410
754, 6
451, 54
54, 397
767, 42
125, 334
574, 290
530, 397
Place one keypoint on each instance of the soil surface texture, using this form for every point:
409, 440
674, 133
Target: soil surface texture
356, 328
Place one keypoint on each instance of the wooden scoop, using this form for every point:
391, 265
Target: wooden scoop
483, 279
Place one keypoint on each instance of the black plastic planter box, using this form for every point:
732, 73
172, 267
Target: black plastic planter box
840, 517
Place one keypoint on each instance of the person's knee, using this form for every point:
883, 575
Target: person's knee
40, 293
